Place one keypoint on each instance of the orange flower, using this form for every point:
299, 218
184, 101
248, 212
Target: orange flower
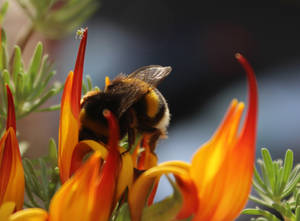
88, 195
220, 173
11, 169
92, 189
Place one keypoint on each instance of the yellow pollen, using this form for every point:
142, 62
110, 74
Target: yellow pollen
152, 101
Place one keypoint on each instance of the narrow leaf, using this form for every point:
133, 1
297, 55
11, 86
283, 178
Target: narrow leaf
287, 167
35, 63
3, 11
269, 167
52, 151
17, 64
259, 212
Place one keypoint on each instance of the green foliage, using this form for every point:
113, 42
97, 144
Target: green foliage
277, 188
88, 86
56, 18
30, 87
41, 178
3, 11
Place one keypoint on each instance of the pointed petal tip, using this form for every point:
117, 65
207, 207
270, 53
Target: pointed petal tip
251, 119
78, 72
85, 32
113, 129
11, 116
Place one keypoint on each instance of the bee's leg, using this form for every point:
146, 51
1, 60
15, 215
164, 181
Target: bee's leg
154, 137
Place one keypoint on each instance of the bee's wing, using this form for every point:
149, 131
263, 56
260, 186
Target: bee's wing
152, 74
127, 93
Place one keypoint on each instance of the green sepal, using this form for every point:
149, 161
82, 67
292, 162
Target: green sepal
166, 209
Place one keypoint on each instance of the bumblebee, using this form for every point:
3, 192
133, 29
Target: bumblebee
136, 102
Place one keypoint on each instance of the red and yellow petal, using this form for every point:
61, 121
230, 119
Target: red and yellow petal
222, 169
77, 193
140, 189
69, 116
68, 131
32, 214
11, 169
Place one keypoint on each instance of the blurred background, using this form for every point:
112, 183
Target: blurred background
198, 39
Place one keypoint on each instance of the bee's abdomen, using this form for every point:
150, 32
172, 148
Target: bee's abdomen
152, 111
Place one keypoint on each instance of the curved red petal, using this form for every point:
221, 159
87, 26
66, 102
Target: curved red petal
113, 140
78, 72
190, 198
5, 164
250, 125
107, 184
11, 116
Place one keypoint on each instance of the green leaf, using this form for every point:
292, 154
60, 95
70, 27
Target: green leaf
261, 202
291, 186
259, 212
3, 55
19, 89
269, 167
17, 63
33, 185
84, 88
287, 167
35, 63
42, 180
6, 77
52, 151
259, 181
166, 209
89, 83
42, 100
297, 217
3, 11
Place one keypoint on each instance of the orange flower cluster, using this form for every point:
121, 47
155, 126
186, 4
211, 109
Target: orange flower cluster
214, 185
